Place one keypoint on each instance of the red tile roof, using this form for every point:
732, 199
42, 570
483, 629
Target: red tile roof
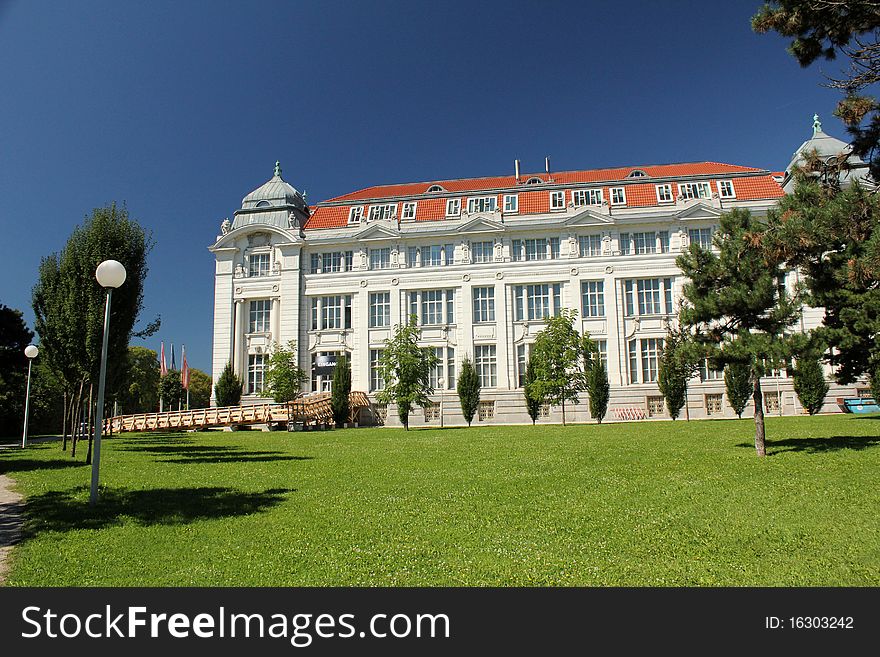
640, 192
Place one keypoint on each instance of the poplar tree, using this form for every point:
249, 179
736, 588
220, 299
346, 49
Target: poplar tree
532, 398
340, 391
809, 383
599, 389
468, 388
738, 383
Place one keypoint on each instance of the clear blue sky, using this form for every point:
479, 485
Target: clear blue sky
180, 108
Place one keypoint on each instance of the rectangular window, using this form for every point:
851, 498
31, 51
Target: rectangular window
602, 348
484, 304
708, 374
516, 252
701, 237
333, 312
485, 410
651, 348
725, 189
554, 248
694, 190
322, 369
380, 258
432, 411
355, 214
544, 411
259, 316
664, 241
256, 373
511, 203
453, 207
534, 302
593, 298
648, 296
771, 401
484, 361
482, 204
713, 404
655, 406
581, 197
445, 368
482, 251
618, 196
380, 309
448, 254
376, 380
336, 261
380, 212
259, 264
590, 245
432, 307
557, 200
450, 368
633, 352
625, 244
432, 256
409, 211
664, 194
645, 243
535, 249
522, 358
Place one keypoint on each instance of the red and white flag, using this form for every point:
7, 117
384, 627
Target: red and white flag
163, 368
184, 370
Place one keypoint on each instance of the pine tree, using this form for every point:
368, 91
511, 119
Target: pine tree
738, 382
810, 384
227, 390
532, 399
406, 369
339, 397
468, 388
599, 389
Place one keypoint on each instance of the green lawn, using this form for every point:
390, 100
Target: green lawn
652, 503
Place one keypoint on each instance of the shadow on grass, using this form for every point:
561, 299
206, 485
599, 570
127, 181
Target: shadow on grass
818, 445
70, 510
8, 465
217, 454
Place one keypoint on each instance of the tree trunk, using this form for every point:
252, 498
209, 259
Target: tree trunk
90, 424
687, 410
64, 425
77, 419
757, 397
563, 411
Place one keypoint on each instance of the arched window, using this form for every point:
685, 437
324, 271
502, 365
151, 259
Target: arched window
637, 173
435, 188
263, 204
534, 181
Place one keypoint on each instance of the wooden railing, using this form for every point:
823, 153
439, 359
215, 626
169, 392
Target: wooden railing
309, 410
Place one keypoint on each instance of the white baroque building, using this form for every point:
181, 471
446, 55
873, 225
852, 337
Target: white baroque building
481, 262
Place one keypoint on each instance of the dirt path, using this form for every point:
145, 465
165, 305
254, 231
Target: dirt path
11, 518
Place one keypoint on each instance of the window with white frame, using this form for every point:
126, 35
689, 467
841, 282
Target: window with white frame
259, 264
625, 244
664, 241
648, 296
644, 359
445, 367
485, 364
432, 256
702, 237
331, 312
530, 249
511, 203
618, 196
334, 261
708, 374
484, 304
409, 211
259, 316
432, 307
589, 245
536, 302
644, 243
380, 309
725, 189
453, 207
482, 251
256, 373
593, 298
482, 204
380, 212
664, 193
557, 200
355, 214
694, 190
376, 380
581, 197
523, 351
380, 258
602, 348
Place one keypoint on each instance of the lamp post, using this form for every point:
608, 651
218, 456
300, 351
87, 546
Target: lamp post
441, 382
31, 352
110, 274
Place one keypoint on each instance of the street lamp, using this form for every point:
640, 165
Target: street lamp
110, 274
31, 352
441, 382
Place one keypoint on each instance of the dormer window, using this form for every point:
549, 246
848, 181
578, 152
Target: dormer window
618, 196
557, 200
511, 203
433, 189
263, 204
380, 212
725, 189
409, 211
534, 181
637, 173
694, 190
581, 197
355, 214
664, 193
453, 207
482, 204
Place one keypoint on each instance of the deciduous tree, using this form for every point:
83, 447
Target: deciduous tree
14, 337
284, 376
809, 383
341, 389
406, 369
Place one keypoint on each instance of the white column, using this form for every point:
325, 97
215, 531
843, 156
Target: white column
504, 337
238, 339
276, 320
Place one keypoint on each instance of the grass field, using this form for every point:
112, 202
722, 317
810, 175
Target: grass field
652, 503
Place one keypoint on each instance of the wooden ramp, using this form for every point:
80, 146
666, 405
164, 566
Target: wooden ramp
310, 410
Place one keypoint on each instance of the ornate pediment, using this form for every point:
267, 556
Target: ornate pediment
588, 218
377, 231
698, 211
481, 225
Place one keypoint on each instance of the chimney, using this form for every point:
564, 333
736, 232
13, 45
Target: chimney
516, 169
547, 165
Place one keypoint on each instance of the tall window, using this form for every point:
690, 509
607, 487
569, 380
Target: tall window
618, 196
725, 189
644, 359
531, 249
625, 244
484, 304
581, 197
376, 380
593, 298
700, 236
453, 207
409, 211
590, 245
379, 212
645, 243
557, 200
708, 374
259, 264
445, 367
380, 258
522, 360
482, 251
259, 316
485, 363
536, 302
432, 307
602, 348
355, 214
335, 261
331, 312
483, 204
694, 190
380, 309
648, 296
511, 203
664, 193
664, 241
256, 373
